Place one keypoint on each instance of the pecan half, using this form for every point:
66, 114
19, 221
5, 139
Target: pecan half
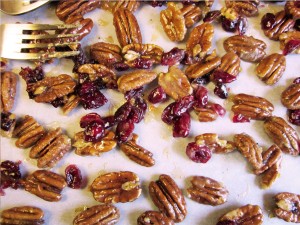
70, 104
205, 114
137, 153
131, 5
8, 123
282, 134
167, 196
106, 53
45, 184
135, 79
8, 90
270, 175
192, 14
249, 149
116, 187
248, 214
173, 22
207, 191
247, 48
28, 131
51, 88
288, 206
105, 214
22, 215
230, 63
127, 27
153, 218
175, 83
290, 97
245, 7
288, 37
271, 68
292, 8
253, 107
84, 148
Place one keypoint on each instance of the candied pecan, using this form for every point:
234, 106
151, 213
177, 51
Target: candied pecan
270, 175
135, 79
287, 206
292, 7
116, 187
131, 5
70, 104
45, 184
28, 131
245, 7
175, 83
205, 114
106, 53
249, 149
191, 13
167, 196
283, 23
230, 63
290, 97
8, 123
200, 40
51, 88
173, 22
153, 218
282, 134
137, 153
252, 107
207, 191
84, 148
3, 64
247, 48
22, 215
8, 90
271, 68
127, 27
247, 214
287, 38
105, 214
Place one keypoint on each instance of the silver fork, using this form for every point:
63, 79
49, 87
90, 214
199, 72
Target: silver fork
17, 42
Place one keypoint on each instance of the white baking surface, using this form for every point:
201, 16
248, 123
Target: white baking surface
230, 169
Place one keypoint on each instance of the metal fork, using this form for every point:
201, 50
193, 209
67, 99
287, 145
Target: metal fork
35, 41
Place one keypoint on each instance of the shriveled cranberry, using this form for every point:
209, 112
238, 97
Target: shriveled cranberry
156, 3
6, 121
294, 116
142, 63
138, 110
109, 121
189, 59
94, 131
212, 16
79, 59
221, 90
198, 154
220, 110
32, 75
203, 80
10, 175
267, 21
242, 25
183, 105
168, 114
123, 112
291, 46
134, 93
239, 118
121, 66
228, 25
58, 102
157, 95
223, 77
182, 125
296, 81
124, 130
174, 56
73, 176
89, 118
201, 96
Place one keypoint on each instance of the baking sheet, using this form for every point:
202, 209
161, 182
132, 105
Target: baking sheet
230, 169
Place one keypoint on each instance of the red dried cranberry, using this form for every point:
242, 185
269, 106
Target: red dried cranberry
220, 110
296, 81
223, 77
94, 131
89, 118
228, 25
79, 59
58, 102
182, 125
73, 176
32, 75
10, 175
142, 63
123, 112
294, 116
6, 121
157, 95
109, 121
134, 93
239, 118
201, 96
183, 105
267, 21
138, 110
198, 154
124, 130
291, 46
242, 25
172, 57
168, 115
189, 59
221, 90
121, 66
203, 80
212, 16
156, 3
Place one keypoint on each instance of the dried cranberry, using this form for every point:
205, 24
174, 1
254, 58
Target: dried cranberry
89, 118
189, 59
124, 130
220, 110
157, 95
73, 176
109, 121
291, 46
168, 115
198, 154
174, 56
6, 121
121, 66
183, 105
58, 102
10, 175
182, 125
203, 80
296, 81
123, 112
83, 77
242, 25
32, 75
239, 118
94, 131
223, 77
228, 25
156, 3
211, 16
201, 96
267, 21
134, 93
297, 25
79, 59
221, 90
294, 116
138, 110
142, 63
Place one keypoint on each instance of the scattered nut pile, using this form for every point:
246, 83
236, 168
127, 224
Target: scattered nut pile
182, 91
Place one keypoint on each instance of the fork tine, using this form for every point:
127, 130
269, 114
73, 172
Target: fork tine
41, 56
45, 45
42, 26
47, 36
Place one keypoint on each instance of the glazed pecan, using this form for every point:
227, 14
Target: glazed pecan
116, 187
200, 40
45, 184
167, 196
84, 148
283, 23
28, 131
8, 123
153, 218
135, 79
137, 153
287, 38
247, 48
70, 104
230, 63
288, 207
173, 22
270, 175
127, 27
175, 83
290, 97
3, 64
105, 214
106, 53
205, 114
292, 7
192, 14
252, 107
22, 215
249, 149
271, 68
282, 134
51, 88
8, 90
207, 191
245, 7
248, 214
131, 5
